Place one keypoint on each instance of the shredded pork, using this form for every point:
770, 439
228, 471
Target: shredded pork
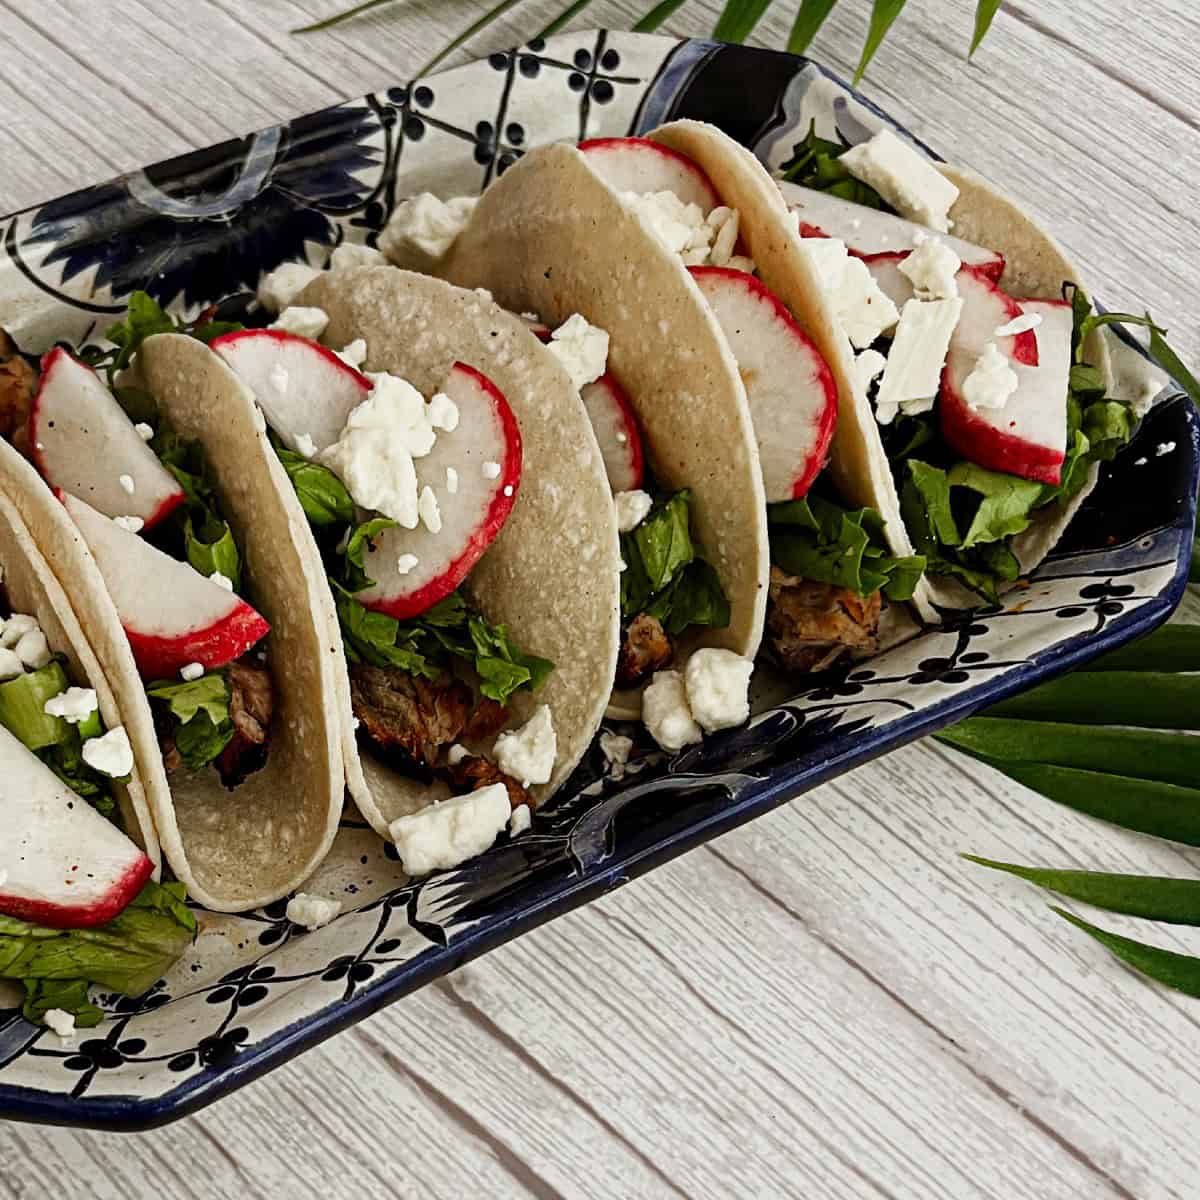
645, 648
812, 626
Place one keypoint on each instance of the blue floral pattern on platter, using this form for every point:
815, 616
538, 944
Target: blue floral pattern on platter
255, 989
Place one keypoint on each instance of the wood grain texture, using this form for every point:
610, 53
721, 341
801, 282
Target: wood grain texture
828, 1002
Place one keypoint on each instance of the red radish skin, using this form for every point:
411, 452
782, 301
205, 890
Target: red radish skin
612, 416
222, 626
162, 657
613, 160
68, 916
391, 543
56, 361
318, 413
974, 437
791, 478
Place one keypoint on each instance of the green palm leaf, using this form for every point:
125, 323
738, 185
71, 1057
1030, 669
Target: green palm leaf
565, 17
808, 23
657, 15
338, 18
738, 19
471, 30
985, 14
883, 16
1180, 972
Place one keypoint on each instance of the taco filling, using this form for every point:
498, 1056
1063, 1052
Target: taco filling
77, 904
404, 493
144, 501
989, 407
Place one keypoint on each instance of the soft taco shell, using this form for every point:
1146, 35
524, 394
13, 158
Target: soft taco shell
552, 237
552, 575
32, 588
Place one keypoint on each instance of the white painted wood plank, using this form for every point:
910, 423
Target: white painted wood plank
522, 1074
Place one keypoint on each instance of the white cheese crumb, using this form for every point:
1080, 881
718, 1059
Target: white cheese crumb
992, 381
581, 348
191, 672
111, 754
1140, 462
862, 309
451, 480
520, 820
491, 470
932, 267
305, 446
527, 754
666, 714
303, 322
913, 375
15, 628
10, 665
127, 484
428, 510
446, 835
443, 413
74, 705
907, 180
374, 454
456, 754
616, 747
355, 354
33, 650
406, 562
222, 581
422, 230
132, 524
717, 683
867, 366
61, 1022
508, 489
349, 255
1159, 450
680, 227
280, 287
632, 508
144, 431
312, 912
1022, 324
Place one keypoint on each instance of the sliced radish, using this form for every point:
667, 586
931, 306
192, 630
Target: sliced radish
986, 308
84, 442
305, 391
867, 231
414, 568
61, 863
616, 430
793, 398
1028, 436
634, 164
172, 615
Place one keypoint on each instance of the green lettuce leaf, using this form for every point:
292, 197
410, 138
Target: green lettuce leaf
1006, 502
23, 707
354, 575
815, 163
200, 709
322, 495
213, 549
70, 995
816, 539
126, 955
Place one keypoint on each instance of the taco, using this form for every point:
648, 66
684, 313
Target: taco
159, 505
461, 522
552, 239
79, 901
985, 409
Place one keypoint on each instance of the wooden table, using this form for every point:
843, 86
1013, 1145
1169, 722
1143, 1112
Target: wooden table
829, 1002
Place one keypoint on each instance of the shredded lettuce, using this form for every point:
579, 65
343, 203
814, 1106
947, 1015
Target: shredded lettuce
322, 495
424, 645
664, 574
200, 709
127, 954
815, 163
816, 539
